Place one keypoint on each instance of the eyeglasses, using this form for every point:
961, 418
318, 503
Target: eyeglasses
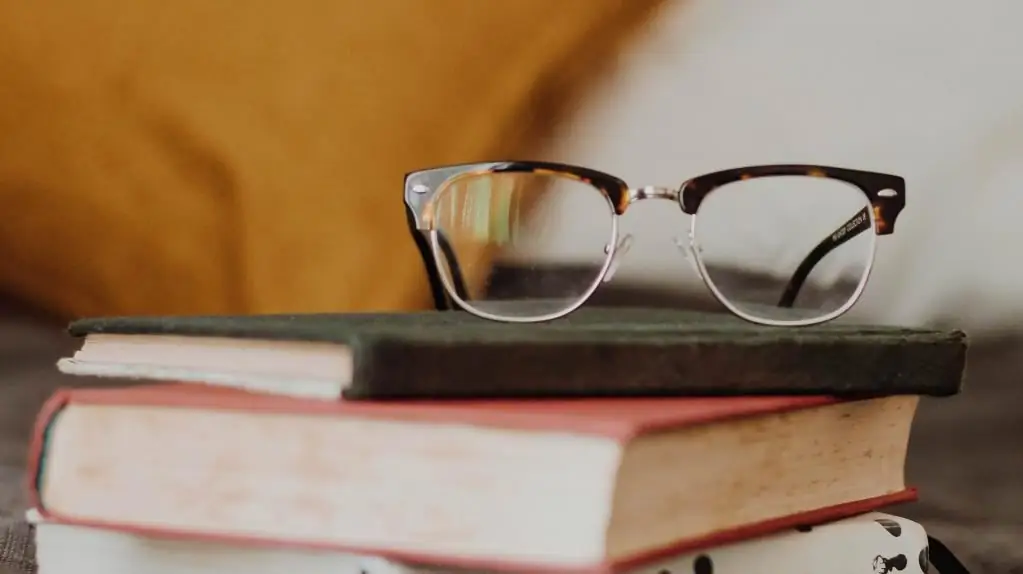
526, 242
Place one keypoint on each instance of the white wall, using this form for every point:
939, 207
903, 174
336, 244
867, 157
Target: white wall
931, 90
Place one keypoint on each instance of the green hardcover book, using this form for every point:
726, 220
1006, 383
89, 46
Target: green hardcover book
593, 352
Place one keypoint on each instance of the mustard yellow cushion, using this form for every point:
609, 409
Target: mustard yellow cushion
199, 156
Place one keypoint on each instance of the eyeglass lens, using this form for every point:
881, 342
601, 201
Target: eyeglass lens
504, 232
752, 236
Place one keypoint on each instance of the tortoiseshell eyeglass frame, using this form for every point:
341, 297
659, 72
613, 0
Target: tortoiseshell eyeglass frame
885, 193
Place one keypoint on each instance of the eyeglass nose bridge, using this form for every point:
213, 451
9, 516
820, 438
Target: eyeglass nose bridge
654, 192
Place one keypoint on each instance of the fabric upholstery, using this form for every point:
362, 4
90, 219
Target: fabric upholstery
202, 157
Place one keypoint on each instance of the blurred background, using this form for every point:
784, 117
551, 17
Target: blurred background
917, 89
214, 157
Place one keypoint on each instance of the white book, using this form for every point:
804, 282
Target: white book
869, 543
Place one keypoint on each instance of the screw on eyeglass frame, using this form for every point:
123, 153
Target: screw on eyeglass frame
886, 195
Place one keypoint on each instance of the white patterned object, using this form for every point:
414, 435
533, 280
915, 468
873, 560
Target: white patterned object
873, 543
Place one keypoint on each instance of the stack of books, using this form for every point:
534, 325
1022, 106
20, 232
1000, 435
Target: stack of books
290, 443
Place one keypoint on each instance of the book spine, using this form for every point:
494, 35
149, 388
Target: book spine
401, 368
37, 446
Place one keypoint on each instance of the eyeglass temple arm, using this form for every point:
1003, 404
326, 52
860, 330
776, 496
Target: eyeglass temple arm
457, 278
854, 226
441, 302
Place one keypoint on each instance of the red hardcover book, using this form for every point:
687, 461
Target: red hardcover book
587, 485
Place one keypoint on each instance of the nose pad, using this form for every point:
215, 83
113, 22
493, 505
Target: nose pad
689, 249
623, 247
